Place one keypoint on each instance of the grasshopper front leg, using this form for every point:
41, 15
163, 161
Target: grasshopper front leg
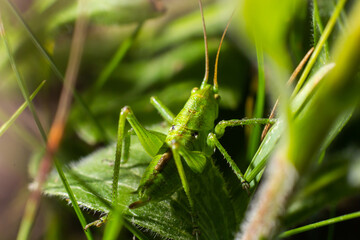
162, 109
213, 141
150, 140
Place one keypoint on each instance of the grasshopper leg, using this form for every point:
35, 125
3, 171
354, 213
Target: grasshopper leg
219, 132
213, 141
97, 223
222, 125
150, 140
162, 109
176, 154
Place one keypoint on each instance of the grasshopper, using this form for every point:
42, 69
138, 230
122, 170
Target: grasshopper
192, 138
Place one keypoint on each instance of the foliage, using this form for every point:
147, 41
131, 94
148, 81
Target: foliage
127, 60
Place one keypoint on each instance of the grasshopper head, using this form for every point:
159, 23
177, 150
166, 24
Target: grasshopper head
202, 108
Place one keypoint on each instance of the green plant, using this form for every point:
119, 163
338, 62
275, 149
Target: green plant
165, 59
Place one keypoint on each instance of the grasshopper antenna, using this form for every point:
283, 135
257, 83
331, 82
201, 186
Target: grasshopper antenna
216, 86
206, 77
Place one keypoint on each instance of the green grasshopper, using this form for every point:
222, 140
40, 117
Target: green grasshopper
192, 138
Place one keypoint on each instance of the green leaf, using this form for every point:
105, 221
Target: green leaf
298, 103
91, 180
104, 12
325, 185
268, 23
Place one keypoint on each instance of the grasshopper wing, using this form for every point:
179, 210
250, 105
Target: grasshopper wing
194, 159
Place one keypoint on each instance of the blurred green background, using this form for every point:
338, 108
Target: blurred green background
164, 57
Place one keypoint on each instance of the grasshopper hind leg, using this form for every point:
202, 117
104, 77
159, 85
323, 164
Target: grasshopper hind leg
213, 141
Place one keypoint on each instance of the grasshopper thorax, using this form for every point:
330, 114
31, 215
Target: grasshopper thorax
197, 117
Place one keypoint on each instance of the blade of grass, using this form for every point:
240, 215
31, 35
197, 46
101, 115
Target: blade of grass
72, 198
58, 125
289, 82
330, 235
336, 96
33, 201
320, 224
260, 101
114, 226
115, 60
58, 73
19, 79
328, 29
269, 142
137, 233
116, 220
317, 24
55, 136
22, 132
314, 23
12, 119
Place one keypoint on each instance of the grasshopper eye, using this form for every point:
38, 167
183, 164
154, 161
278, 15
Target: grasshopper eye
194, 90
195, 134
172, 128
217, 97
